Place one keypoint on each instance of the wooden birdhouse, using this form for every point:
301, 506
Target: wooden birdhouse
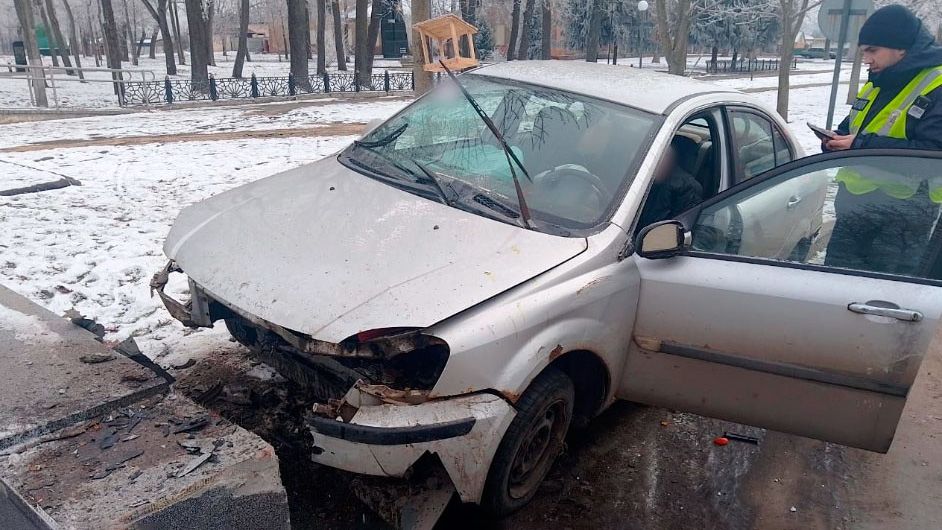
448, 39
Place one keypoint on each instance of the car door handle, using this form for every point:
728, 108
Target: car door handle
907, 315
792, 202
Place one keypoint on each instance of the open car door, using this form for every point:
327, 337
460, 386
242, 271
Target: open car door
821, 341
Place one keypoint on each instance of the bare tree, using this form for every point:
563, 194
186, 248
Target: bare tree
298, 37
421, 11
74, 42
50, 38
673, 28
196, 13
59, 39
792, 14
129, 33
24, 12
594, 34
547, 26
210, 50
175, 26
112, 45
152, 49
377, 11
338, 36
321, 36
160, 15
514, 30
243, 38
523, 52
360, 37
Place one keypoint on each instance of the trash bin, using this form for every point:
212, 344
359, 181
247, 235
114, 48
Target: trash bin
19, 54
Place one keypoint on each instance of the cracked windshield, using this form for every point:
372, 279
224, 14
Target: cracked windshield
578, 153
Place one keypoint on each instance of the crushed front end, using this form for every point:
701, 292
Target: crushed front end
376, 412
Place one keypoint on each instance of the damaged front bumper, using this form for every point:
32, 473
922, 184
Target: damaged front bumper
387, 438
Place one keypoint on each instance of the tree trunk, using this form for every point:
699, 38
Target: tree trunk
547, 30
595, 30
60, 39
199, 60
160, 15
421, 10
129, 31
50, 38
243, 39
714, 52
735, 55
210, 50
321, 36
338, 36
152, 49
524, 51
112, 44
298, 40
514, 30
674, 46
74, 43
360, 41
93, 37
854, 76
791, 20
140, 45
24, 13
372, 33
175, 23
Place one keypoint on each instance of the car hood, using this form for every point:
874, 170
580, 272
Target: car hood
328, 252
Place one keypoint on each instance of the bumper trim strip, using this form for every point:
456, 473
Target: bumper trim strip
367, 434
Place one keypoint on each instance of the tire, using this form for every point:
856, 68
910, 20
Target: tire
531, 444
801, 252
243, 332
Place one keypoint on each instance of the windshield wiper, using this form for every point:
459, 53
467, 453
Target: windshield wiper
434, 180
386, 140
508, 152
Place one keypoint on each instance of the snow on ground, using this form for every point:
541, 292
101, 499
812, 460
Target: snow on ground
14, 93
94, 247
284, 115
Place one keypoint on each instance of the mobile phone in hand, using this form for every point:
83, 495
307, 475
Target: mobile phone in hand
822, 134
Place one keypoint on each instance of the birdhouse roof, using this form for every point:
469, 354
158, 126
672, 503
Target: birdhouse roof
440, 27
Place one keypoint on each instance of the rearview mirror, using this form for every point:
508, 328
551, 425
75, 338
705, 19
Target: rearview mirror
663, 240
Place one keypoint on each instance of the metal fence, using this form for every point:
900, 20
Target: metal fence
745, 65
177, 90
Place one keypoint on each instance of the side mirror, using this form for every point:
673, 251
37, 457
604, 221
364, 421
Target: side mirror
370, 125
661, 240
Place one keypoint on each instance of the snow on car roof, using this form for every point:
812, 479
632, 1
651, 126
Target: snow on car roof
643, 89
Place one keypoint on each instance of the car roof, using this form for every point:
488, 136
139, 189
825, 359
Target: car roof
643, 89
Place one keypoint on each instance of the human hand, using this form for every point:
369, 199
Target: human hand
840, 143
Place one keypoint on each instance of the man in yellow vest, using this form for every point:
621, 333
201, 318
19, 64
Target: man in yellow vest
881, 216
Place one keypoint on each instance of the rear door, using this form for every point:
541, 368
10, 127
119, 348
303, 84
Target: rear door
825, 344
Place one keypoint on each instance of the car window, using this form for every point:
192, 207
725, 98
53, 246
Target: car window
873, 214
753, 144
783, 151
578, 151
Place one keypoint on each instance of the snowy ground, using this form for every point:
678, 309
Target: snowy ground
94, 247
14, 93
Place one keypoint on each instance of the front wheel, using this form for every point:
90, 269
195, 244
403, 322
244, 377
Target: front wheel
531, 443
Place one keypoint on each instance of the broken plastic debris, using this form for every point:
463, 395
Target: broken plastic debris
721, 440
793, 509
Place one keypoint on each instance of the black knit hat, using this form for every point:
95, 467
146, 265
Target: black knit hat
890, 27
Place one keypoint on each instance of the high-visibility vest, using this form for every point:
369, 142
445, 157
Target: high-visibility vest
891, 122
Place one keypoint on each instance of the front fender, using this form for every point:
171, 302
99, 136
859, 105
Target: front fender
505, 343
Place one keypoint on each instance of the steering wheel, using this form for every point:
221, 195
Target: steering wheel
554, 177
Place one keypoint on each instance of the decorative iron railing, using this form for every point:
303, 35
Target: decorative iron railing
177, 90
745, 65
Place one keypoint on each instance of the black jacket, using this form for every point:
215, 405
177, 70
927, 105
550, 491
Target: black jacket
924, 133
678, 193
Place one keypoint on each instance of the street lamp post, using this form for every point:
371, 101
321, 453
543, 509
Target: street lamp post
642, 8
